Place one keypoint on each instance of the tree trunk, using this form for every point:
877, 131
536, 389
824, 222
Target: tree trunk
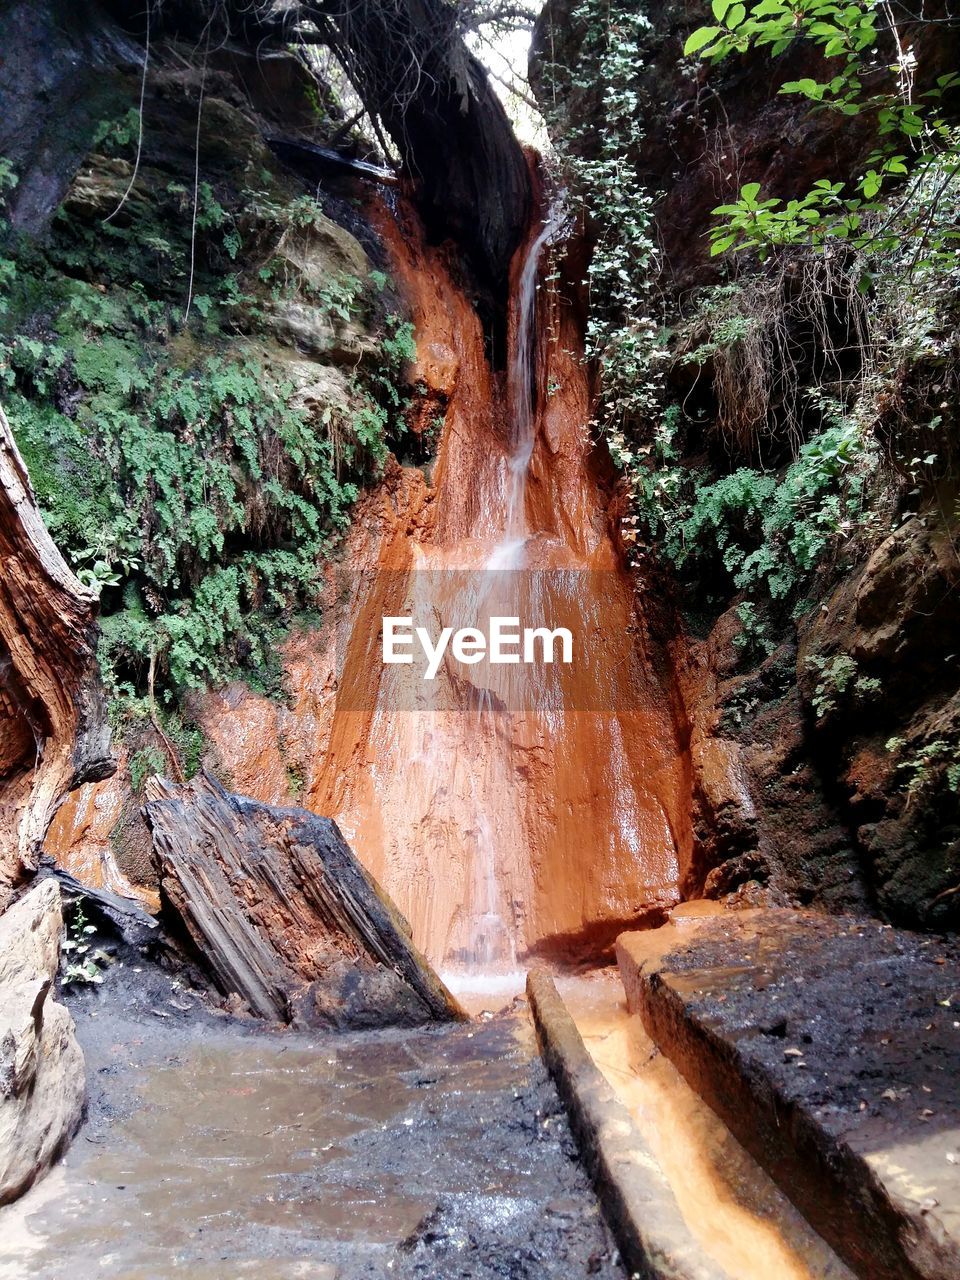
284, 915
413, 70
53, 731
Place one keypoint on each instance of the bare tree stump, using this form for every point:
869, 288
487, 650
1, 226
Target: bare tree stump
284, 915
53, 730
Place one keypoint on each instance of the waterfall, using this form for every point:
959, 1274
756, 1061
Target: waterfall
504, 807
508, 553
493, 945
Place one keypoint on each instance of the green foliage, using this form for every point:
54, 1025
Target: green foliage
605, 168
798, 516
917, 142
179, 470
753, 636
8, 268
767, 532
115, 136
921, 768
84, 964
837, 677
144, 764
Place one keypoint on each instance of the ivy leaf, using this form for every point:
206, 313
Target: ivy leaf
870, 184
809, 88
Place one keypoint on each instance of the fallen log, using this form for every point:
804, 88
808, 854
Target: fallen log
53, 730
284, 915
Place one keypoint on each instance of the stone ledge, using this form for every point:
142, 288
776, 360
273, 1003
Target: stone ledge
634, 1193
829, 1048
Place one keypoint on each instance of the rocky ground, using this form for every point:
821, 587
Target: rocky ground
215, 1147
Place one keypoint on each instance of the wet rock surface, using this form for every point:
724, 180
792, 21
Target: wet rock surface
831, 1048
216, 1148
42, 1085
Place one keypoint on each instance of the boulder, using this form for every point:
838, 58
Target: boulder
42, 1084
323, 269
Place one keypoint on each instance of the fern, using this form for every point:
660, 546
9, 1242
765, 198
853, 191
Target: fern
183, 483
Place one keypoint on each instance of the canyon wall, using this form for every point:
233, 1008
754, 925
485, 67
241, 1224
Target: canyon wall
801, 793
506, 816
53, 731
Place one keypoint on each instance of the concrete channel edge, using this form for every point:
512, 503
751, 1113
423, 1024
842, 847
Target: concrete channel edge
634, 1194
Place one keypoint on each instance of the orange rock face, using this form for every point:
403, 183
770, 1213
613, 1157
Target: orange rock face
53, 730
505, 809
499, 823
80, 838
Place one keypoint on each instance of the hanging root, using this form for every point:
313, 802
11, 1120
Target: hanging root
801, 322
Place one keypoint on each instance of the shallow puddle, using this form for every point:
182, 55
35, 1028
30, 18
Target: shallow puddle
290, 1156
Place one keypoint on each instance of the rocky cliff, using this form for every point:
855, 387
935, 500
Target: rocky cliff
821, 706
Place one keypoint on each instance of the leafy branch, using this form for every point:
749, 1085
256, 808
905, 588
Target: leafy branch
917, 140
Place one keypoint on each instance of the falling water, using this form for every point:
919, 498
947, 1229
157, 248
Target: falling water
503, 807
493, 945
508, 553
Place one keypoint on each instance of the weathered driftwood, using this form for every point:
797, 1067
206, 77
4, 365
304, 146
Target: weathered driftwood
53, 731
284, 914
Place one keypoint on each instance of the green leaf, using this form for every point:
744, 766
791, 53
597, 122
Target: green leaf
809, 88
700, 39
736, 16
750, 191
722, 243
870, 184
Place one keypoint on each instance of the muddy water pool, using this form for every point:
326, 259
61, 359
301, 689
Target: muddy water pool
215, 1151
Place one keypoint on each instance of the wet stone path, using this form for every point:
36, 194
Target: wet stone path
215, 1151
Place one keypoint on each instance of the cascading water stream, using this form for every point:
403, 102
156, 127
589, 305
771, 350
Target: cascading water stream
508, 553
493, 946
503, 807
